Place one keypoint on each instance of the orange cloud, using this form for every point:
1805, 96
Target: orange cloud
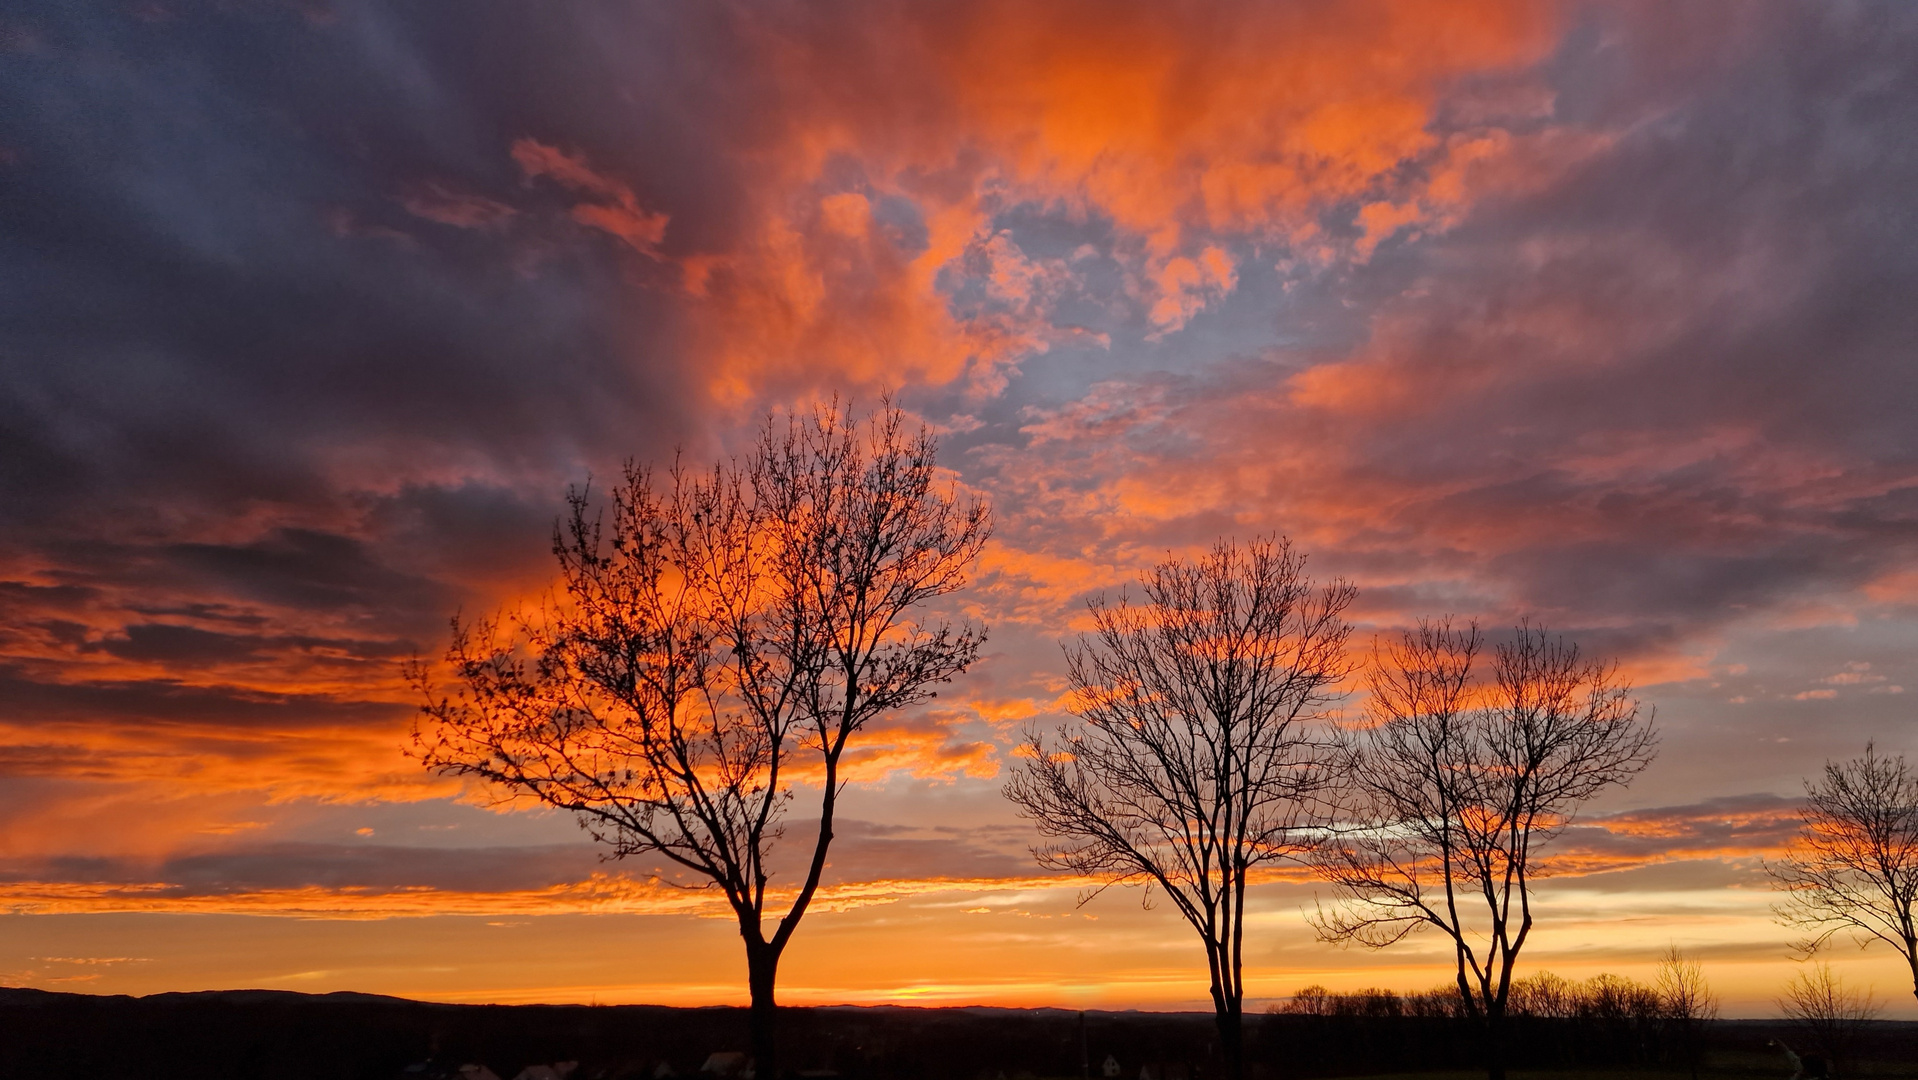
615, 208
1185, 286
1295, 107
1182, 134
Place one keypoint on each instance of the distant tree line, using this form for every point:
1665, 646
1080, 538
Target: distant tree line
1552, 1022
276, 1035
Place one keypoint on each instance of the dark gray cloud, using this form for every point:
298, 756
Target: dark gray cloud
192, 647
863, 852
294, 353
33, 701
333, 866
233, 250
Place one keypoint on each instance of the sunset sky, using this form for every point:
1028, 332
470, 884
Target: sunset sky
1604, 315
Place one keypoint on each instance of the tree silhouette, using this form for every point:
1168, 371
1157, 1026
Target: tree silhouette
1855, 863
1817, 1001
1686, 1001
1194, 764
1454, 787
722, 637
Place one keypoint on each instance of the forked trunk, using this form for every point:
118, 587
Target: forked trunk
762, 969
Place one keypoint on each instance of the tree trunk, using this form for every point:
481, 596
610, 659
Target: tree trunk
1494, 1042
1227, 1009
762, 968
1231, 1020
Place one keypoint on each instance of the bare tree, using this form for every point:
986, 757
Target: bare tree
1855, 863
724, 636
1829, 1013
1195, 762
1686, 1002
1546, 995
1454, 787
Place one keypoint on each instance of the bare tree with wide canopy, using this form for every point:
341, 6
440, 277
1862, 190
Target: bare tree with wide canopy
1196, 761
1686, 1002
1820, 1005
724, 636
1854, 865
1454, 787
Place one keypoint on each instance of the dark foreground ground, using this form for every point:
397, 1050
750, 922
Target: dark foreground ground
273, 1035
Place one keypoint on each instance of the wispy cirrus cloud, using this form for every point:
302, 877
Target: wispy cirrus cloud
872, 864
